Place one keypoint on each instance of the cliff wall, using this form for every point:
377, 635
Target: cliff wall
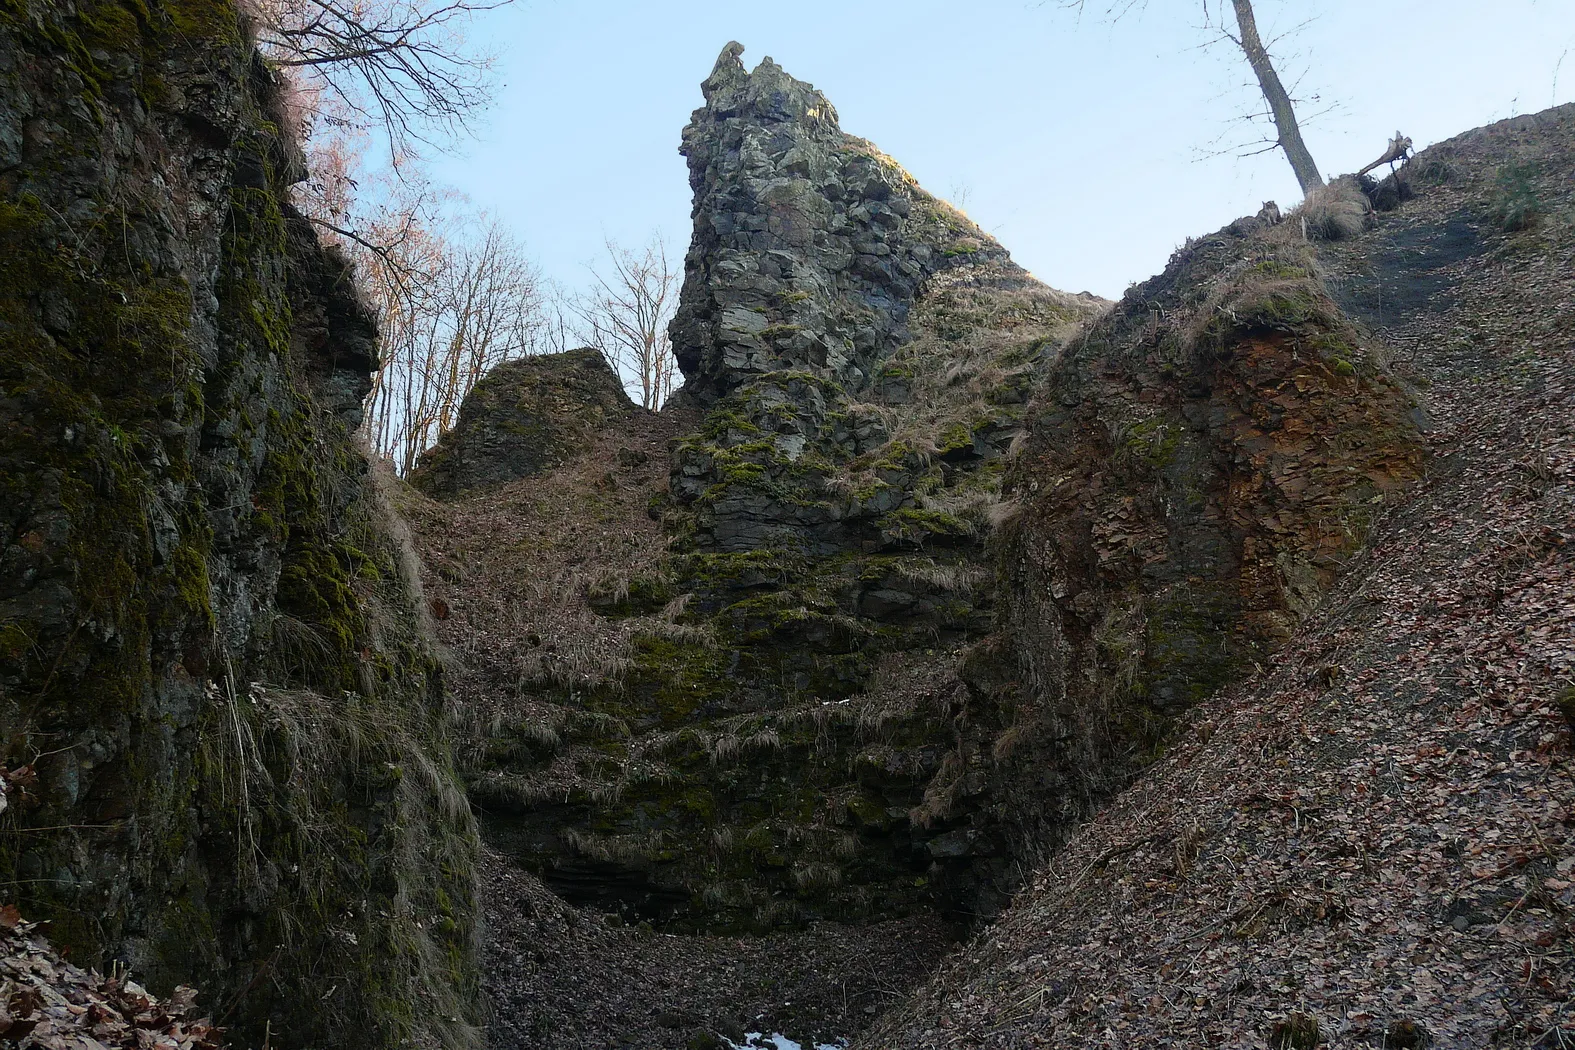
1197, 471
737, 719
220, 710
947, 552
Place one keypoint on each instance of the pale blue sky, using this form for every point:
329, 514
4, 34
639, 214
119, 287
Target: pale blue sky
1077, 145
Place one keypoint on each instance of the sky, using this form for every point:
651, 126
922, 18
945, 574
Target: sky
1091, 150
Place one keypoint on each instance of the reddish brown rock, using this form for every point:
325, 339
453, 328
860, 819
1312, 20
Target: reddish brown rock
1197, 472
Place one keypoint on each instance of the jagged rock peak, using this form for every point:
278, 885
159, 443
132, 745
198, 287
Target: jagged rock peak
809, 245
769, 93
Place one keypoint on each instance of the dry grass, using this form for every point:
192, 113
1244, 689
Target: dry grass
514, 570
982, 337
974, 334
618, 850
1336, 212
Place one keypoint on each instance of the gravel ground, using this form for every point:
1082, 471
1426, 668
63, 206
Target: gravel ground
561, 977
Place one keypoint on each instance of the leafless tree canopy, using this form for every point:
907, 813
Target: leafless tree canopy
450, 309
626, 314
455, 295
1288, 135
401, 66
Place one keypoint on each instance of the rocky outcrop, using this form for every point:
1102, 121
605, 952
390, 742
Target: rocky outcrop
1369, 794
949, 551
1198, 469
810, 245
220, 712
785, 694
522, 418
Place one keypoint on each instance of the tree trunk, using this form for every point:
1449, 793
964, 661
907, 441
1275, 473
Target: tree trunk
1279, 102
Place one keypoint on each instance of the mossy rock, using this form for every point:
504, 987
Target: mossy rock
523, 417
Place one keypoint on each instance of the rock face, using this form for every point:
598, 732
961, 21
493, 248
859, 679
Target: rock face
522, 418
774, 747
1197, 471
949, 550
211, 649
1412, 722
809, 244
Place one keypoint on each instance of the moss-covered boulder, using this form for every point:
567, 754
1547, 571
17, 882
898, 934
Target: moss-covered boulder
524, 417
214, 678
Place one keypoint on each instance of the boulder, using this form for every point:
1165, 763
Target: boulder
522, 418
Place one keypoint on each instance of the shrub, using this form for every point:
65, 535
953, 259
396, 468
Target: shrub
1514, 204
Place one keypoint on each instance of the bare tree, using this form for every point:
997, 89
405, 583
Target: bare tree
1246, 37
449, 310
625, 316
403, 67
1274, 93
450, 304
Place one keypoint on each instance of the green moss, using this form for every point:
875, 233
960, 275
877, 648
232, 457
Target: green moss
111, 397
1279, 269
1190, 649
211, 20
913, 523
955, 437
669, 681
1155, 441
725, 421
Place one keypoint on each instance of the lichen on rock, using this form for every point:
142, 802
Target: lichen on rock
764, 757
1197, 470
809, 246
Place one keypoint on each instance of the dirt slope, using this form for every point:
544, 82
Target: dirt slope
1370, 842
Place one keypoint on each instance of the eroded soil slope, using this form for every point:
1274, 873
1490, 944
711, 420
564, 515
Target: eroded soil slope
1371, 840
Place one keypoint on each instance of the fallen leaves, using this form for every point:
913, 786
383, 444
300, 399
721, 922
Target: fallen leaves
1386, 850
50, 1004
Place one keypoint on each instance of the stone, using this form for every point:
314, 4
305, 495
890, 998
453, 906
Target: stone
190, 634
777, 181
523, 417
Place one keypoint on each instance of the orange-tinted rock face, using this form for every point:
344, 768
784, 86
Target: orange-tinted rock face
1198, 471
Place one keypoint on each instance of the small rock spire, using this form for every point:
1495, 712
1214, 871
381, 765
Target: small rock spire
727, 71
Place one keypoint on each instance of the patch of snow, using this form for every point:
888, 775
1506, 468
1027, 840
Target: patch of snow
778, 1041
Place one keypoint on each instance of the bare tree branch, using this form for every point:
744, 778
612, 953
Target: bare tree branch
401, 66
626, 314
1249, 42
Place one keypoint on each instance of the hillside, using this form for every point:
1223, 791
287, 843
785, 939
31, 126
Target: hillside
1368, 840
